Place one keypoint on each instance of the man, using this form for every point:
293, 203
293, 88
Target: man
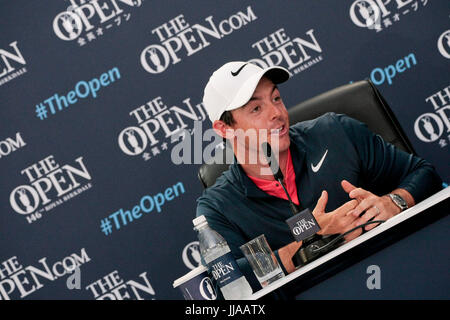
329, 165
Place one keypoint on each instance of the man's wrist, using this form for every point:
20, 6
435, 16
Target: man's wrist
394, 208
397, 202
286, 253
405, 195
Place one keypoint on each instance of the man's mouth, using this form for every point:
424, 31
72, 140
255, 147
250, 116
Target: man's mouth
279, 131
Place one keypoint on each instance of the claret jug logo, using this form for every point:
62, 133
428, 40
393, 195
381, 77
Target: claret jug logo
191, 255
381, 14
158, 126
87, 20
444, 44
178, 38
434, 127
50, 185
365, 14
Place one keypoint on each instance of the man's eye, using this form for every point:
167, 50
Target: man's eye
256, 109
277, 99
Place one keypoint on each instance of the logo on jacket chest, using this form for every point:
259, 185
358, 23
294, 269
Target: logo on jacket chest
316, 167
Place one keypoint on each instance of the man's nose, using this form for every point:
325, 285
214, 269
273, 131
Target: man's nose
275, 111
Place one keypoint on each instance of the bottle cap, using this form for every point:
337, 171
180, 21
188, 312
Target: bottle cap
199, 220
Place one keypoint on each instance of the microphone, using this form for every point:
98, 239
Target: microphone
277, 173
272, 160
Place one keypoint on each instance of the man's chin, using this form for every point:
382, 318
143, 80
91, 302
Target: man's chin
280, 143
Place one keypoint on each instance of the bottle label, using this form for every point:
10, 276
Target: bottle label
224, 269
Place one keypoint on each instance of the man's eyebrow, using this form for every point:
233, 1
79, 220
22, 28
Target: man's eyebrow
256, 97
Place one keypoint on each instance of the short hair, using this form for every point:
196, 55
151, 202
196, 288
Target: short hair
227, 117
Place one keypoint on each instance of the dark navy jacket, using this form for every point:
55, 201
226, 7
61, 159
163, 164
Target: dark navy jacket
236, 208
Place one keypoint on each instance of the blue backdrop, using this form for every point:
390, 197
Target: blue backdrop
94, 95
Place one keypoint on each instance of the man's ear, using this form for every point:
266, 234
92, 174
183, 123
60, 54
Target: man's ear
223, 130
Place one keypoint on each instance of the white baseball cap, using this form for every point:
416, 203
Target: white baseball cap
232, 85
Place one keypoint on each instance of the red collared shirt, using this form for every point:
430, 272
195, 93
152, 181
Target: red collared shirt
275, 189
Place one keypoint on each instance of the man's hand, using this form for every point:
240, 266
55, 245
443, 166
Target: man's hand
286, 253
337, 221
333, 222
373, 207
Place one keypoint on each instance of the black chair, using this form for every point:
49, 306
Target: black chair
360, 100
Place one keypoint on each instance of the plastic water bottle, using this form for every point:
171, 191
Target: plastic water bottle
221, 263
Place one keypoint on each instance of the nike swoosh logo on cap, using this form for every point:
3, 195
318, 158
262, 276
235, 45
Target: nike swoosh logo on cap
234, 74
317, 167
